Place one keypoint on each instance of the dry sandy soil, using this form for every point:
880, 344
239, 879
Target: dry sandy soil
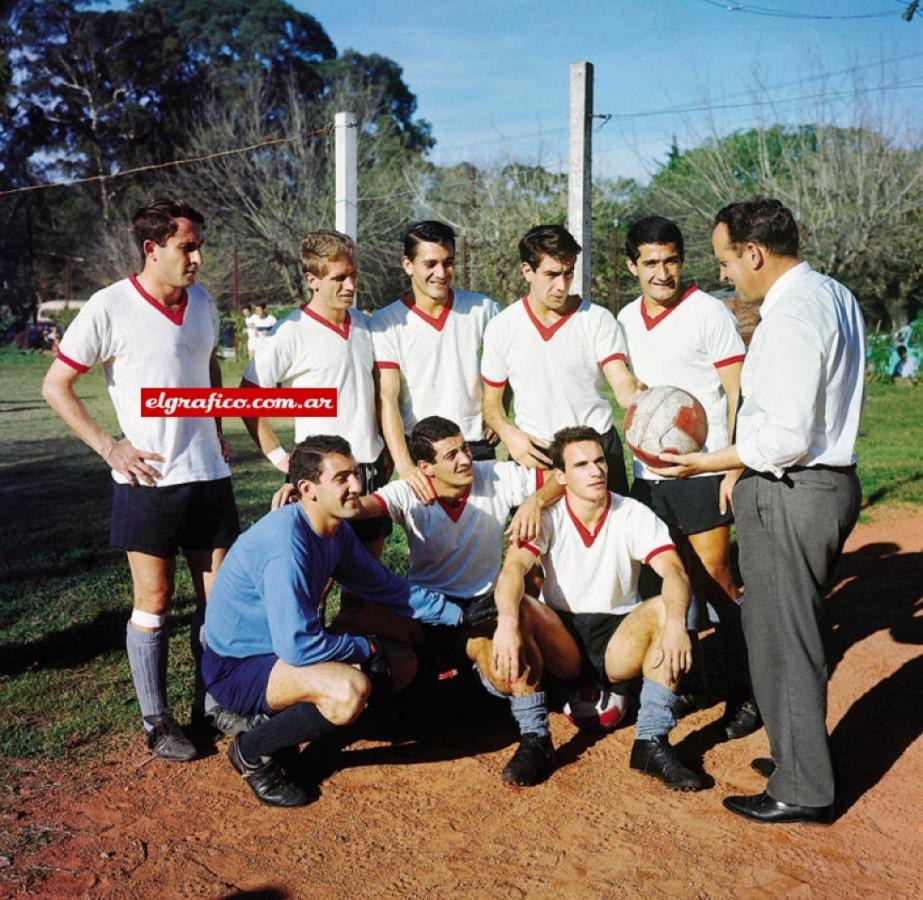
430, 817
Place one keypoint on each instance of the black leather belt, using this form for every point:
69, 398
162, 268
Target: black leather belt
844, 470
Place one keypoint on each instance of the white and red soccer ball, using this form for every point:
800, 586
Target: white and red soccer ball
665, 419
594, 709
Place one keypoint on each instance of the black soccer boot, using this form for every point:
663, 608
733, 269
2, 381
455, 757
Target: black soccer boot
659, 760
268, 780
531, 763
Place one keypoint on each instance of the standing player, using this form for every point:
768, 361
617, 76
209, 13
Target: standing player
172, 485
798, 497
591, 548
556, 352
268, 653
678, 335
426, 351
326, 343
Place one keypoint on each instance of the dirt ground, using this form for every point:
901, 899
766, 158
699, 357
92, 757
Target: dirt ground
431, 817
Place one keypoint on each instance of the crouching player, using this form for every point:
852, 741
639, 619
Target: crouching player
591, 548
456, 547
267, 650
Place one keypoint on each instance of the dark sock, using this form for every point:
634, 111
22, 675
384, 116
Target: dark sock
736, 665
195, 645
695, 680
297, 724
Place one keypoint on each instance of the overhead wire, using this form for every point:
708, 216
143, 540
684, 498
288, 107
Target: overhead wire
755, 10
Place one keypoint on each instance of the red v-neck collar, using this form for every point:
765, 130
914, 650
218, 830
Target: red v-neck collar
453, 511
651, 321
586, 535
342, 332
434, 322
175, 314
547, 332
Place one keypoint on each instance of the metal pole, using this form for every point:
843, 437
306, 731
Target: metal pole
236, 283
346, 174
616, 267
579, 169
466, 264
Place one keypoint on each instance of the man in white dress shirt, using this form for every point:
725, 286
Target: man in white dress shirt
798, 496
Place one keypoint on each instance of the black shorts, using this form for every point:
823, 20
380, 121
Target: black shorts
592, 633
200, 515
617, 479
482, 450
374, 476
689, 505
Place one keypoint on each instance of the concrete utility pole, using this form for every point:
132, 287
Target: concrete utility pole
580, 169
346, 194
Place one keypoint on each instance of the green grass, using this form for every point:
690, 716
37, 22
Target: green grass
65, 595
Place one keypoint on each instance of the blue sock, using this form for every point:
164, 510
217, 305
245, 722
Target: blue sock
531, 713
655, 718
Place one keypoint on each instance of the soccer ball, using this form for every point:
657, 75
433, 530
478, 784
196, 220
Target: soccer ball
665, 419
594, 709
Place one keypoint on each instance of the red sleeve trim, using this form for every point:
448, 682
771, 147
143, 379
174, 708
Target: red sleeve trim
729, 361
531, 548
657, 551
494, 384
80, 367
612, 358
381, 502
386, 365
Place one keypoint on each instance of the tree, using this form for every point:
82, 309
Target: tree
857, 194
102, 90
264, 201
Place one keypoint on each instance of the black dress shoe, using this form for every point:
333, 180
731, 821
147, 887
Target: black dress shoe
764, 765
762, 808
268, 780
689, 702
659, 760
532, 761
741, 719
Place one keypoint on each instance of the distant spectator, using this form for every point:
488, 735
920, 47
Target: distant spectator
262, 323
906, 366
250, 325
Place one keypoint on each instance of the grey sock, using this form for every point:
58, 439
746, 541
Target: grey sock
488, 685
147, 658
531, 713
655, 717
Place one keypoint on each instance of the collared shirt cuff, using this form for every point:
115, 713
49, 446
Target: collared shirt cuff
750, 456
451, 614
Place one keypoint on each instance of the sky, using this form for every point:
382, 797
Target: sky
492, 77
